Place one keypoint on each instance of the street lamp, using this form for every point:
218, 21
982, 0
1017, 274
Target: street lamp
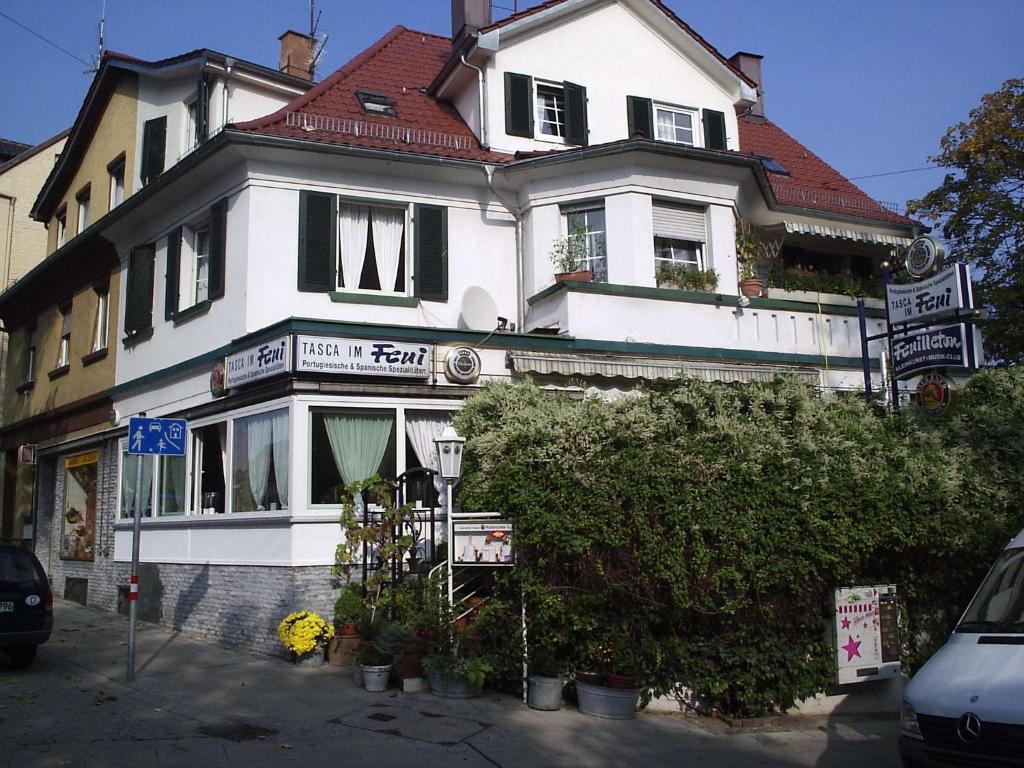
449, 454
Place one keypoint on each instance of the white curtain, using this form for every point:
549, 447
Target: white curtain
358, 442
388, 227
259, 434
422, 428
129, 477
352, 230
280, 420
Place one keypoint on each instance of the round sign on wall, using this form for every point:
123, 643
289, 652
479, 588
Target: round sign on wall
462, 365
925, 255
934, 394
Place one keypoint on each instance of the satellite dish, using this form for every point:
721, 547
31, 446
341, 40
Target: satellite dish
479, 312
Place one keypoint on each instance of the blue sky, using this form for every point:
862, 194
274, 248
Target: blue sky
870, 86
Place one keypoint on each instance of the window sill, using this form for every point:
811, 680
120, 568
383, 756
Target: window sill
28, 386
137, 337
383, 299
94, 357
184, 315
56, 373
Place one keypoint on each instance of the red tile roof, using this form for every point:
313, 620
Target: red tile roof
400, 65
403, 63
811, 183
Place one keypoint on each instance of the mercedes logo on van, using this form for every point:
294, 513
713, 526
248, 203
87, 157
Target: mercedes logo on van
968, 728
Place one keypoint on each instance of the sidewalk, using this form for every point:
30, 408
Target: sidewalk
199, 705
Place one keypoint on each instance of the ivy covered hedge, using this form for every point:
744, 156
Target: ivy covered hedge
695, 533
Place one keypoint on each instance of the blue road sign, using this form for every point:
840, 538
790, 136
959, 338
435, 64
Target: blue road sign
164, 437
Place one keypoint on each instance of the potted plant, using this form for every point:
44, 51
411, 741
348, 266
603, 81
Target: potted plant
569, 254
615, 692
669, 275
454, 667
751, 250
545, 681
349, 611
375, 665
305, 635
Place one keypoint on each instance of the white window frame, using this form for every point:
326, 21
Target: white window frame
309, 406
117, 176
191, 289
84, 200
682, 247
158, 465
64, 347
600, 275
62, 226
694, 116
99, 336
557, 90
229, 491
406, 265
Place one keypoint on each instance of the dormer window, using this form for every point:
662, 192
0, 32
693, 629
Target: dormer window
550, 101
675, 124
772, 165
376, 104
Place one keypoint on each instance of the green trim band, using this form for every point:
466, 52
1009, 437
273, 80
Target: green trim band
698, 297
346, 297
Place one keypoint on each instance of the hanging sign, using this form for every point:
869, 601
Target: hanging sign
362, 357
259, 362
935, 394
483, 542
939, 296
866, 633
949, 347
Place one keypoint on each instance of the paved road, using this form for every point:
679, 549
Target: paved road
199, 705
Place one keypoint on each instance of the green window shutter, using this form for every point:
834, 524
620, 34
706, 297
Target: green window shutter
138, 311
430, 267
318, 236
518, 105
640, 116
714, 129
575, 114
202, 103
173, 273
218, 243
154, 144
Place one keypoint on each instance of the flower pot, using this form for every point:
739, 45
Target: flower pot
348, 630
449, 687
314, 658
621, 682
375, 679
582, 275
609, 703
341, 651
545, 692
752, 286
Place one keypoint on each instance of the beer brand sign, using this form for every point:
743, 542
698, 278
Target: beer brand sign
949, 347
362, 357
939, 296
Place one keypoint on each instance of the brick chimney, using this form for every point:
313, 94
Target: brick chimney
750, 65
467, 17
296, 54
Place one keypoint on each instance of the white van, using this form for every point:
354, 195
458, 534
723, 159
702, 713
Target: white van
966, 705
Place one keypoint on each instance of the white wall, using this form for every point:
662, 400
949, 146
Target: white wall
612, 53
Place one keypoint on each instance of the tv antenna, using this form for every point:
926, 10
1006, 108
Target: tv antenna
319, 40
98, 57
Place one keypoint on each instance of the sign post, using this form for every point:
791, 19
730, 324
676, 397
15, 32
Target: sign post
146, 437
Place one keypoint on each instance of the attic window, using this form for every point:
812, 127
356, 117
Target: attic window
772, 166
376, 104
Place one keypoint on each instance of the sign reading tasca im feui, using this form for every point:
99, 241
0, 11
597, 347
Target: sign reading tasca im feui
362, 357
939, 296
258, 363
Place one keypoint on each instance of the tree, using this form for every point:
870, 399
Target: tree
980, 209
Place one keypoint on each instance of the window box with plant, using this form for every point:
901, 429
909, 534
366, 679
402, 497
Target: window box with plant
570, 255
677, 275
818, 282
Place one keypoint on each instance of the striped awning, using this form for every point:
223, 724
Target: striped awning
844, 233
647, 368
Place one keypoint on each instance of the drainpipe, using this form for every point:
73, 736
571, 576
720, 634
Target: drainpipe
481, 96
229, 67
517, 214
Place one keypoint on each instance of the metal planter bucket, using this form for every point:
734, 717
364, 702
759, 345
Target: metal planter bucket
545, 692
610, 703
375, 679
449, 687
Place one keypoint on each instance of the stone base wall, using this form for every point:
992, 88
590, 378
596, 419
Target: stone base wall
236, 605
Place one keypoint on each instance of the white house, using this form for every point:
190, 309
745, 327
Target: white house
316, 290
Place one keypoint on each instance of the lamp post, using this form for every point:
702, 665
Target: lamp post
449, 454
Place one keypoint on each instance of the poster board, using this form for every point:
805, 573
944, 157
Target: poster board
78, 513
483, 543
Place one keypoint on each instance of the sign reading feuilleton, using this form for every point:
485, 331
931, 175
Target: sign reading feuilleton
258, 362
932, 348
362, 357
939, 296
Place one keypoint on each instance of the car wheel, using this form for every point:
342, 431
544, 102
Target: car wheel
22, 657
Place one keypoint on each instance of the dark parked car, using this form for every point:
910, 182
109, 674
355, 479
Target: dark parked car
26, 604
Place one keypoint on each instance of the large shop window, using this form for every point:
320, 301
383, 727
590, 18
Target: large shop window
348, 446
259, 473
161, 490
358, 247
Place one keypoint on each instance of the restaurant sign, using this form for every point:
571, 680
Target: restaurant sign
948, 347
259, 362
939, 296
362, 357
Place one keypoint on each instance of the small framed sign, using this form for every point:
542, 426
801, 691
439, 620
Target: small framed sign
27, 454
